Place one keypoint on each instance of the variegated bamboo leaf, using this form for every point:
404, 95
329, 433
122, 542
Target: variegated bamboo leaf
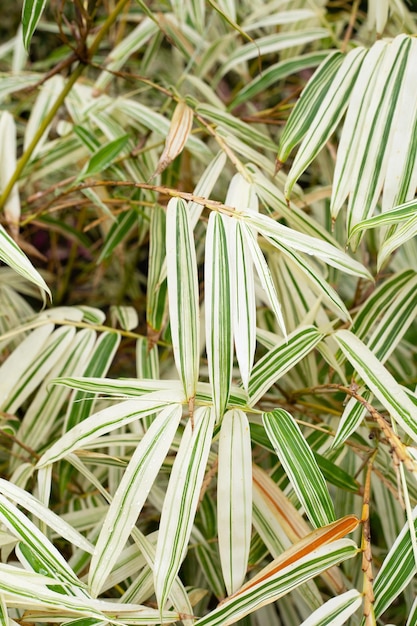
107, 420
234, 498
322, 123
281, 359
183, 294
300, 466
31, 14
336, 611
397, 570
181, 500
131, 494
218, 310
279, 580
309, 103
379, 380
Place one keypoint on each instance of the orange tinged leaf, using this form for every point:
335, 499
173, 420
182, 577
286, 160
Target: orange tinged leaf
313, 541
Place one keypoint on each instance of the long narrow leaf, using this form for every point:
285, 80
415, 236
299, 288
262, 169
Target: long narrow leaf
379, 380
234, 498
277, 583
281, 359
131, 494
181, 501
219, 340
300, 466
107, 420
183, 294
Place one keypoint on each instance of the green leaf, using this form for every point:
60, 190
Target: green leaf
300, 466
234, 498
218, 310
31, 14
181, 500
117, 233
274, 73
103, 157
183, 294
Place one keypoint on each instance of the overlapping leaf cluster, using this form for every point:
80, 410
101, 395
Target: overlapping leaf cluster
200, 454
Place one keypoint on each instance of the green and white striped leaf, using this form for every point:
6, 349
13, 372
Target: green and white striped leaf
336, 611
11, 255
401, 235
205, 185
275, 585
355, 129
127, 46
264, 273
157, 288
272, 43
236, 127
131, 494
51, 519
183, 294
274, 73
41, 415
81, 404
181, 501
278, 234
379, 122
107, 420
26, 353
118, 231
31, 14
53, 349
308, 104
45, 552
31, 591
379, 380
300, 466
234, 498
324, 121
126, 316
281, 359
218, 312
244, 300
397, 570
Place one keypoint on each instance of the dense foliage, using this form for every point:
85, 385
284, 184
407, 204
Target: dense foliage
211, 417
